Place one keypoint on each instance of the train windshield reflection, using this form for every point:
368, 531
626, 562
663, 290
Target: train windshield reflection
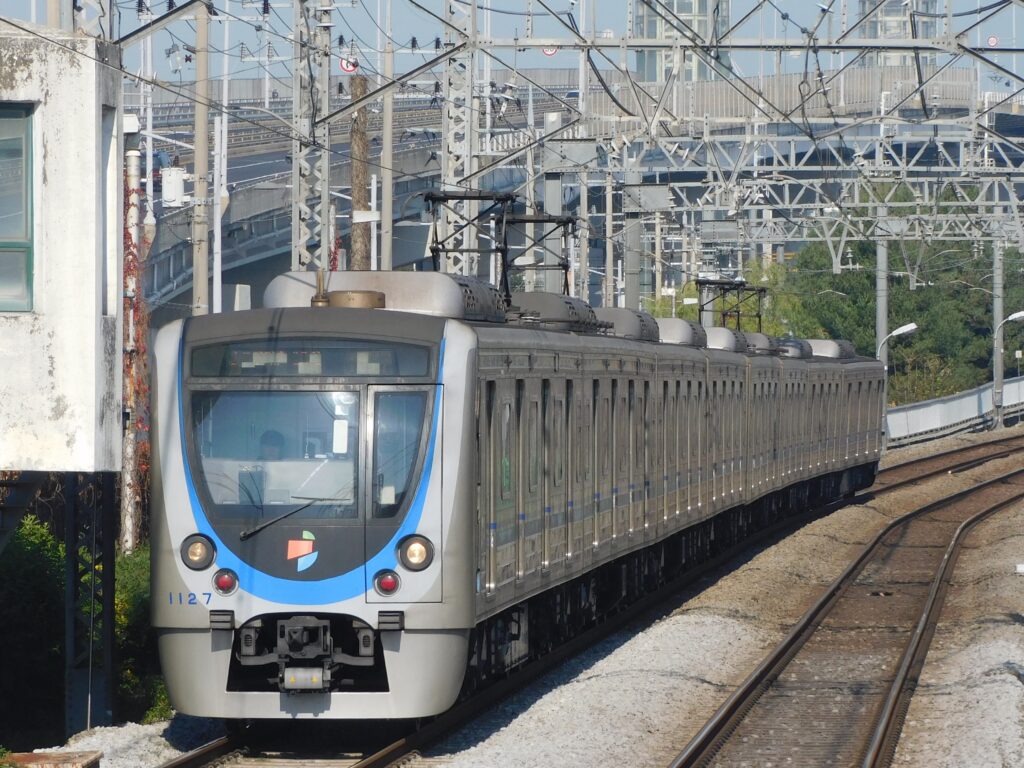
262, 452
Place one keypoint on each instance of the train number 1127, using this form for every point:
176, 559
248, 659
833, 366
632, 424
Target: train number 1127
189, 598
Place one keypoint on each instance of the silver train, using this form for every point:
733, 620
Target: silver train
360, 512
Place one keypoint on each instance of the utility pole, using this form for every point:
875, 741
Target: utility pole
609, 244
218, 213
360, 179
530, 277
220, 173
130, 512
997, 336
149, 223
200, 220
552, 276
882, 289
657, 256
387, 174
584, 237
633, 232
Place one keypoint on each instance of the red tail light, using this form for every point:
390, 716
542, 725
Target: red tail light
225, 581
386, 582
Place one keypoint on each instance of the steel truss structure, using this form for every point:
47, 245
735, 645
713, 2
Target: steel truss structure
312, 222
816, 162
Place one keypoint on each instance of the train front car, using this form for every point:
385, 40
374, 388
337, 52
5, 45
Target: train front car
300, 523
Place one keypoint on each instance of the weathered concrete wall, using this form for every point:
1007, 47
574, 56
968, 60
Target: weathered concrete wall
60, 364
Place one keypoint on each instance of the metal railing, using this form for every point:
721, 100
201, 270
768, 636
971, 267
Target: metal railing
962, 412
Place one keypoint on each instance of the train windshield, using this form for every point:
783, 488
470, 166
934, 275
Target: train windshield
263, 452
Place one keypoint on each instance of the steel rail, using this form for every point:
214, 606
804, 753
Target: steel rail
960, 466
882, 745
717, 730
206, 754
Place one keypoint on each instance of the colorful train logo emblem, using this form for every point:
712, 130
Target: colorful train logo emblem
302, 550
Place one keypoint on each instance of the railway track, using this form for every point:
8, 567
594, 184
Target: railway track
835, 691
237, 752
947, 462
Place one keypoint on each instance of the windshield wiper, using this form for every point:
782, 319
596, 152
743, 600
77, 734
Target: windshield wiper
249, 533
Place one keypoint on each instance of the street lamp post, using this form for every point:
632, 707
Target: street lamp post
908, 328
997, 369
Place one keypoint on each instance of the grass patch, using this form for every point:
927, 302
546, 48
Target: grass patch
141, 693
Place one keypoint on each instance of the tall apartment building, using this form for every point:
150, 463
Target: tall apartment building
893, 22
707, 18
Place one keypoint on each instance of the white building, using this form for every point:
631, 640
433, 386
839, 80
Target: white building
707, 18
892, 21
61, 236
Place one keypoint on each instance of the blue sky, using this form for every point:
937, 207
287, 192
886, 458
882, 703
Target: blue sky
358, 21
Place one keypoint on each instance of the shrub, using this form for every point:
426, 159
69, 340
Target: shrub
32, 613
140, 691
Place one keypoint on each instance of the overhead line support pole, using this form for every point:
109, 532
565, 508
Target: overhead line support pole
387, 174
201, 167
997, 337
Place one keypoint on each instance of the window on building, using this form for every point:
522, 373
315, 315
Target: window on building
15, 209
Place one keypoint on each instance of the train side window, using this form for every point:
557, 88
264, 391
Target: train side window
558, 419
604, 445
505, 460
634, 422
487, 436
398, 424
533, 445
621, 433
571, 429
592, 463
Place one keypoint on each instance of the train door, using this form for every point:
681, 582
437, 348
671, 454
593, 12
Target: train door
703, 455
714, 445
752, 438
622, 463
553, 541
604, 441
582, 481
403, 460
642, 459
505, 471
571, 470
692, 420
556, 470
692, 430
666, 472
486, 483
531, 509
553, 407
632, 476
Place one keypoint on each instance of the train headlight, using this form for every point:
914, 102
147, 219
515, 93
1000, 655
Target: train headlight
386, 582
225, 581
416, 552
197, 552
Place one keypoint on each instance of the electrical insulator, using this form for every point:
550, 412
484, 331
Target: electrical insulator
170, 5
341, 41
414, 44
140, 7
437, 43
